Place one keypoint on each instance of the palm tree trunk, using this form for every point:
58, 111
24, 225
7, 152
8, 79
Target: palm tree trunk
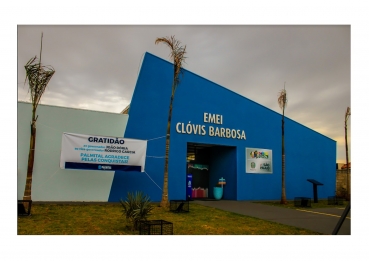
283, 196
31, 158
347, 166
164, 197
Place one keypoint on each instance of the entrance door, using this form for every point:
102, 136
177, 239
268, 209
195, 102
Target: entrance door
208, 163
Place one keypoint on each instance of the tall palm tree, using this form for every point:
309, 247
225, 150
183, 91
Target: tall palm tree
177, 53
38, 77
282, 102
347, 115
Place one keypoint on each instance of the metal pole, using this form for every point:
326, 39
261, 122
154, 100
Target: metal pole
315, 193
342, 218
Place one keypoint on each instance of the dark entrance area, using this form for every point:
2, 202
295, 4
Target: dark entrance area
207, 163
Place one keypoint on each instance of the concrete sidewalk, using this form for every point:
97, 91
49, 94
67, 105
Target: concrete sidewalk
322, 220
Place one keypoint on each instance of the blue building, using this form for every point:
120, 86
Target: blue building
218, 133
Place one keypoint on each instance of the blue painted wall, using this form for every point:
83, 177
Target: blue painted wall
308, 153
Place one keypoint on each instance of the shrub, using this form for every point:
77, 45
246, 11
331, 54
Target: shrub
136, 207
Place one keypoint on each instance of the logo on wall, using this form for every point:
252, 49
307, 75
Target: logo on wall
265, 166
104, 167
259, 154
259, 161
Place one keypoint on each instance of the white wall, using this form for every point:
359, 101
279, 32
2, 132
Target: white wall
50, 183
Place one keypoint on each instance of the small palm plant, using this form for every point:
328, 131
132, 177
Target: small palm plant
136, 207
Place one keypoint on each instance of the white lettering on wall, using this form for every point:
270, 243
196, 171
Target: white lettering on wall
197, 129
213, 118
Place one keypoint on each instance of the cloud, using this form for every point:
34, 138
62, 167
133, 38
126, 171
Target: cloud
97, 66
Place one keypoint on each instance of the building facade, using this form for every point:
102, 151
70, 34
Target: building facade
218, 129
215, 133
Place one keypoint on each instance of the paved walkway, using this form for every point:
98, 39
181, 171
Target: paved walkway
322, 220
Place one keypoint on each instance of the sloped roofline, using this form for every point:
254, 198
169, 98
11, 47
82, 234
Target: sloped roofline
187, 71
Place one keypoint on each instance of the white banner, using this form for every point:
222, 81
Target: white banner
259, 161
92, 152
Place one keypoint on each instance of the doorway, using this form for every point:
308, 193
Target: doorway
206, 164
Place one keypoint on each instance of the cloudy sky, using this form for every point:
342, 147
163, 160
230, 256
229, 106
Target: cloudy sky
97, 65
